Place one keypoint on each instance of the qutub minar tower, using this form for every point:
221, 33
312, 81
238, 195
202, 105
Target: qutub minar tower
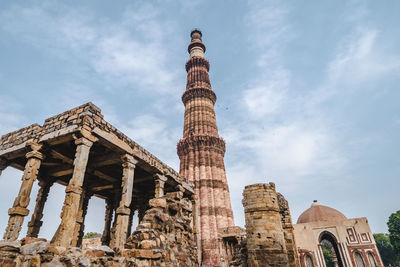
201, 152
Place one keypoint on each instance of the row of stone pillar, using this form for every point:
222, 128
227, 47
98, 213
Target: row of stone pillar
71, 228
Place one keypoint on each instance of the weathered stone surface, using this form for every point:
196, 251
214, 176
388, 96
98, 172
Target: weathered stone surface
158, 202
21, 202
163, 237
57, 250
54, 263
10, 245
65, 232
264, 231
34, 247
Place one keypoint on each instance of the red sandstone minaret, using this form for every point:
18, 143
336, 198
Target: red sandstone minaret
201, 152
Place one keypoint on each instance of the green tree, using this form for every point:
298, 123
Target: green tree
394, 232
328, 256
385, 248
90, 235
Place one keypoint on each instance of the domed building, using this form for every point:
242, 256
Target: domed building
326, 237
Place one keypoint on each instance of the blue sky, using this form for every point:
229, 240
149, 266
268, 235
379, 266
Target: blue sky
307, 91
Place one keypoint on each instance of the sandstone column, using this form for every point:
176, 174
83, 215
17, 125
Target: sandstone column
123, 211
159, 180
80, 222
70, 210
19, 210
105, 238
265, 237
35, 222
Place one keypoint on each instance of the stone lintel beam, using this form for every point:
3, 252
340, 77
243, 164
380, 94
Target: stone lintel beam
159, 181
66, 170
71, 208
19, 209
123, 211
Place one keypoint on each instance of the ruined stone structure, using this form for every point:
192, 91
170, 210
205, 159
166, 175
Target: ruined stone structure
185, 219
270, 240
201, 152
352, 242
82, 151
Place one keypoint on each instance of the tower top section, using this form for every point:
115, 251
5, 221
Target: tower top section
196, 47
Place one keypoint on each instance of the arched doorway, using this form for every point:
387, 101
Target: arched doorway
330, 250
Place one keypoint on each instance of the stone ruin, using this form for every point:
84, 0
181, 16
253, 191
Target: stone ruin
269, 229
82, 151
185, 219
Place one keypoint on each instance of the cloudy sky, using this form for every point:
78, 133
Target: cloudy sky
307, 91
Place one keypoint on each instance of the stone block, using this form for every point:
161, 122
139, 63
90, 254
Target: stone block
10, 245
147, 244
33, 248
158, 202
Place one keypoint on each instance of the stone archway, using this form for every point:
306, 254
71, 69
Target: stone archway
329, 240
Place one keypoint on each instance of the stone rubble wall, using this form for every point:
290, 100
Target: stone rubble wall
163, 238
19, 137
165, 235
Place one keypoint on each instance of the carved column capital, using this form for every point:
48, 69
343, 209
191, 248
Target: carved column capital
33, 146
83, 141
160, 177
159, 181
34, 149
128, 161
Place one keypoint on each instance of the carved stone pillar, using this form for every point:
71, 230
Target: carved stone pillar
159, 180
105, 238
123, 211
116, 200
19, 210
35, 222
70, 211
80, 222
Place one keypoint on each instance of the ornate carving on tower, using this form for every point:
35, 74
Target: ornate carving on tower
201, 152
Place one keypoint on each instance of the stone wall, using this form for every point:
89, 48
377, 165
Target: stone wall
163, 238
266, 244
165, 235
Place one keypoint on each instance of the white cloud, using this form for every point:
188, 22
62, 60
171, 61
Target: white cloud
360, 59
130, 51
267, 95
154, 135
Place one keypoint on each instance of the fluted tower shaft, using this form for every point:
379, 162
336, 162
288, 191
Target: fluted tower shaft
201, 151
